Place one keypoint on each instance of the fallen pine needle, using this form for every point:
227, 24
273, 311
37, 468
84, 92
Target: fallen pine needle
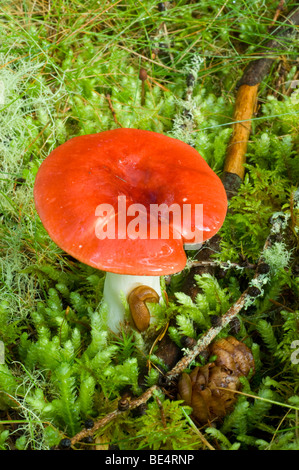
292, 407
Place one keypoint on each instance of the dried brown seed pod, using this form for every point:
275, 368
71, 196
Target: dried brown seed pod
253, 291
263, 268
235, 325
188, 342
88, 423
215, 320
208, 390
123, 404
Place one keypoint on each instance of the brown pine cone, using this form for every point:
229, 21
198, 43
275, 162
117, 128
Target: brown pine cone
202, 388
233, 355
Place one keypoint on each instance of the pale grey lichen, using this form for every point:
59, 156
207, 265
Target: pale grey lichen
277, 256
279, 221
194, 66
259, 282
183, 123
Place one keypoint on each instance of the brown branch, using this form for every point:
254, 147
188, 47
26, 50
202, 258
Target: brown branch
246, 100
108, 97
206, 339
278, 11
283, 39
244, 109
114, 414
222, 264
160, 405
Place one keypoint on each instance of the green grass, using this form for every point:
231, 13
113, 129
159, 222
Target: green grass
58, 62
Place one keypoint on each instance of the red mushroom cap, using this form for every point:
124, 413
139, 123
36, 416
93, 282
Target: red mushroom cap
145, 167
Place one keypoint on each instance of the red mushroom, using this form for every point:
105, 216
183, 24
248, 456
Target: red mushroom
88, 191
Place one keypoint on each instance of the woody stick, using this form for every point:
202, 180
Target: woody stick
246, 99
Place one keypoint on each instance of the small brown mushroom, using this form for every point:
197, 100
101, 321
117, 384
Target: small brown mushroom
143, 78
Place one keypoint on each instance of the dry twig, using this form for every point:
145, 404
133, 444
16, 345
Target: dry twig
246, 99
278, 11
114, 414
206, 339
108, 97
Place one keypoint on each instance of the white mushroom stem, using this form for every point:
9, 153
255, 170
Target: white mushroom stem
118, 285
